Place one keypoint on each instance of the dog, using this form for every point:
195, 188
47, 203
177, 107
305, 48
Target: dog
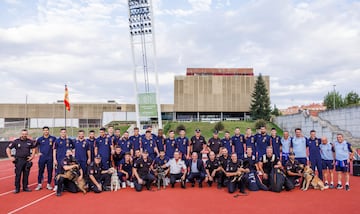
115, 183
311, 178
73, 175
160, 177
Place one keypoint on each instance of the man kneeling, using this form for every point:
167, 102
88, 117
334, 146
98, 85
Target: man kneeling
99, 178
141, 171
234, 172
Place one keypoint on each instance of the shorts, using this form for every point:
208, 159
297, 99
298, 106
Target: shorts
302, 160
327, 164
342, 166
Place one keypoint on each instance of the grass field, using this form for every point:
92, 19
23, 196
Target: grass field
207, 128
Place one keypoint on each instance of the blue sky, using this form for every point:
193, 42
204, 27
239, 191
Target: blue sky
304, 46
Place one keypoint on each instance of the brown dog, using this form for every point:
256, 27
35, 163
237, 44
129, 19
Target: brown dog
72, 175
311, 178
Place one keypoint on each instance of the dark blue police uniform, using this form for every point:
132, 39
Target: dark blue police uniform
227, 143
149, 145
238, 142
143, 169
275, 142
262, 141
81, 149
104, 149
136, 142
45, 145
171, 146
91, 143
182, 145
315, 155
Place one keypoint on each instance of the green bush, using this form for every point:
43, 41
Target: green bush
259, 123
219, 126
180, 127
166, 128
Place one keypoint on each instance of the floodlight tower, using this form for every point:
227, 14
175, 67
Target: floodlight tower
142, 38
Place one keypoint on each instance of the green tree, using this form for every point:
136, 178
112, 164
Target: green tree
329, 100
219, 126
276, 112
260, 102
352, 98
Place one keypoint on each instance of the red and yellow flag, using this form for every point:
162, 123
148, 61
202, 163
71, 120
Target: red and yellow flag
66, 99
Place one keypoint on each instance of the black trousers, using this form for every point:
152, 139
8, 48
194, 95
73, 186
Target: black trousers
198, 176
174, 177
22, 166
219, 177
233, 186
104, 180
292, 178
66, 184
148, 179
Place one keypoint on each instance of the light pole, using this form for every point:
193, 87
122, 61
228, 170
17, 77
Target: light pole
334, 97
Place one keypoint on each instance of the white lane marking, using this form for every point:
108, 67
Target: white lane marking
31, 203
5, 193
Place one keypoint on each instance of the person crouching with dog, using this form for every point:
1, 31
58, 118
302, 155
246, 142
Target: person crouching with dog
125, 171
234, 171
99, 177
293, 169
142, 172
70, 173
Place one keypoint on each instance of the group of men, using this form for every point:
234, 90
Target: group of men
235, 162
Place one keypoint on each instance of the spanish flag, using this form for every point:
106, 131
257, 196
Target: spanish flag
66, 99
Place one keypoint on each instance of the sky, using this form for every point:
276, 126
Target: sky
305, 47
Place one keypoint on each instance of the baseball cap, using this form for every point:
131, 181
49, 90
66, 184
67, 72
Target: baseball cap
291, 153
215, 132
98, 156
197, 130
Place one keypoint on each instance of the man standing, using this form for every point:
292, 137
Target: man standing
227, 143
343, 156
250, 141
103, 146
313, 144
214, 143
239, 143
275, 142
170, 145
91, 142
136, 141
196, 170
149, 145
25, 151
285, 147
160, 141
62, 144
328, 161
177, 170
82, 151
125, 143
45, 145
262, 142
182, 143
197, 143
298, 146
141, 172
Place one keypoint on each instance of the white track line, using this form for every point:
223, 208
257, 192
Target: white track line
5, 193
10, 176
31, 203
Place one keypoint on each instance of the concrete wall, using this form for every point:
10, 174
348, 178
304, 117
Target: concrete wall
305, 122
2, 123
56, 122
346, 119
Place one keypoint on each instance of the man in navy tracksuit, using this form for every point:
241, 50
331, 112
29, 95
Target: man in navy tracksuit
238, 141
82, 152
103, 146
313, 143
196, 170
45, 145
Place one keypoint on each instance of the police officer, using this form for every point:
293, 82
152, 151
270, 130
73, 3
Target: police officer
197, 143
252, 180
239, 143
149, 144
91, 142
267, 162
213, 170
182, 143
25, 151
214, 143
62, 144
275, 142
141, 171
313, 143
293, 169
235, 168
82, 151
227, 143
117, 157
224, 160
68, 163
170, 144
45, 146
136, 141
103, 146
99, 177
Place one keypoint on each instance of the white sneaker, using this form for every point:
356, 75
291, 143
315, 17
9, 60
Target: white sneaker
167, 181
127, 182
38, 187
55, 188
49, 187
131, 184
123, 185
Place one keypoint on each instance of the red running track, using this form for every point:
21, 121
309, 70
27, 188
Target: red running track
174, 201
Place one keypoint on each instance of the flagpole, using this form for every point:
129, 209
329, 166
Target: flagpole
65, 115
65, 105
